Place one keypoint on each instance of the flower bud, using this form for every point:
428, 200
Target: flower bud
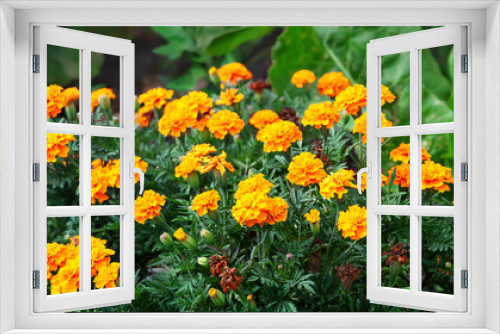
251, 303
104, 101
315, 227
217, 297
186, 239
221, 178
166, 239
193, 180
208, 237
289, 256
203, 261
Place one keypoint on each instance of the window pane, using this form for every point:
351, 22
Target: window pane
63, 80
63, 255
437, 254
105, 96
105, 268
395, 171
105, 174
63, 169
395, 75
437, 84
395, 239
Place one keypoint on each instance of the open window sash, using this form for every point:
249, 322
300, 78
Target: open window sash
85, 297
415, 297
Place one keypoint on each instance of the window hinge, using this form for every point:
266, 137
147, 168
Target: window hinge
36, 172
465, 279
36, 63
464, 172
36, 279
465, 64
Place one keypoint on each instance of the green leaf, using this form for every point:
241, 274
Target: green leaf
225, 43
188, 80
175, 48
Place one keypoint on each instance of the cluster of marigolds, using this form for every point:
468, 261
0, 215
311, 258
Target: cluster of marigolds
252, 203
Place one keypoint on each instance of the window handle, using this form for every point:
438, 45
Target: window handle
368, 172
134, 170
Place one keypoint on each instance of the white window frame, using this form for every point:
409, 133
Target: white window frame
483, 21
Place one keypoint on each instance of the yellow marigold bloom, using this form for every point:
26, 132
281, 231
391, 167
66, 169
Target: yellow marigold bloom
212, 70
386, 95
198, 102
177, 118
435, 176
205, 202
69, 252
100, 255
258, 208
144, 115
148, 206
321, 114
224, 122
67, 279
233, 73
94, 96
277, 210
180, 235
383, 181
229, 97
187, 166
312, 216
56, 100
279, 136
250, 299
72, 94
360, 126
218, 163
335, 183
352, 222
264, 117
56, 146
155, 97
201, 150
352, 99
402, 174
254, 184
114, 170
100, 180
54, 256
303, 77
402, 153
306, 169
202, 123
107, 276
331, 84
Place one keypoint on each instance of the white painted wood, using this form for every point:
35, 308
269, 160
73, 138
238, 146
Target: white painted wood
414, 43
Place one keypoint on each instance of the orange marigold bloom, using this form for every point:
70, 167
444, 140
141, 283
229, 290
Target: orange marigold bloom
187, 166
177, 118
54, 256
258, 208
402, 174
229, 97
107, 276
264, 117
224, 122
306, 169
279, 136
402, 153
205, 202
254, 184
202, 123
197, 102
94, 96
386, 95
100, 255
201, 150
352, 99
67, 279
100, 180
312, 216
435, 176
56, 100
335, 183
360, 126
218, 163
321, 114
303, 77
277, 210
72, 94
233, 73
180, 234
144, 115
155, 97
56, 146
383, 181
352, 222
331, 84
148, 206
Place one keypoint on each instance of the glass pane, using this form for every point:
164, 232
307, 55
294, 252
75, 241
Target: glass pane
437, 169
63, 255
437, 254
395, 239
63, 169
105, 269
63, 80
105, 174
395, 75
395, 171
437, 84
105, 96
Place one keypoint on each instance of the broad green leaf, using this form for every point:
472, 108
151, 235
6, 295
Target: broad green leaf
223, 44
188, 80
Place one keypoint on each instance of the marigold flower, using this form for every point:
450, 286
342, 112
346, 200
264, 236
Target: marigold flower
107, 276
229, 97
218, 163
321, 114
306, 169
259, 86
352, 99
217, 297
352, 222
229, 280
277, 210
258, 208
180, 235
233, 73
331, 84
396, 254
360, 126
201, 150
312, 216
386, 95
54, 256
197, 102
72, 94
100, 180
67, 279
100, 255
205, 202
335, 183
113, 167
202, 123
224, 122
144, 115
279, 136
185, 239
56, 100
155, 97
383, 181
148, 206
263, 117
435, 176
402, 153
94, 96
56, 146
402, 174
187, 166
217, 264
212, 70
255, 184
303, 77
177, 118
347, 273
